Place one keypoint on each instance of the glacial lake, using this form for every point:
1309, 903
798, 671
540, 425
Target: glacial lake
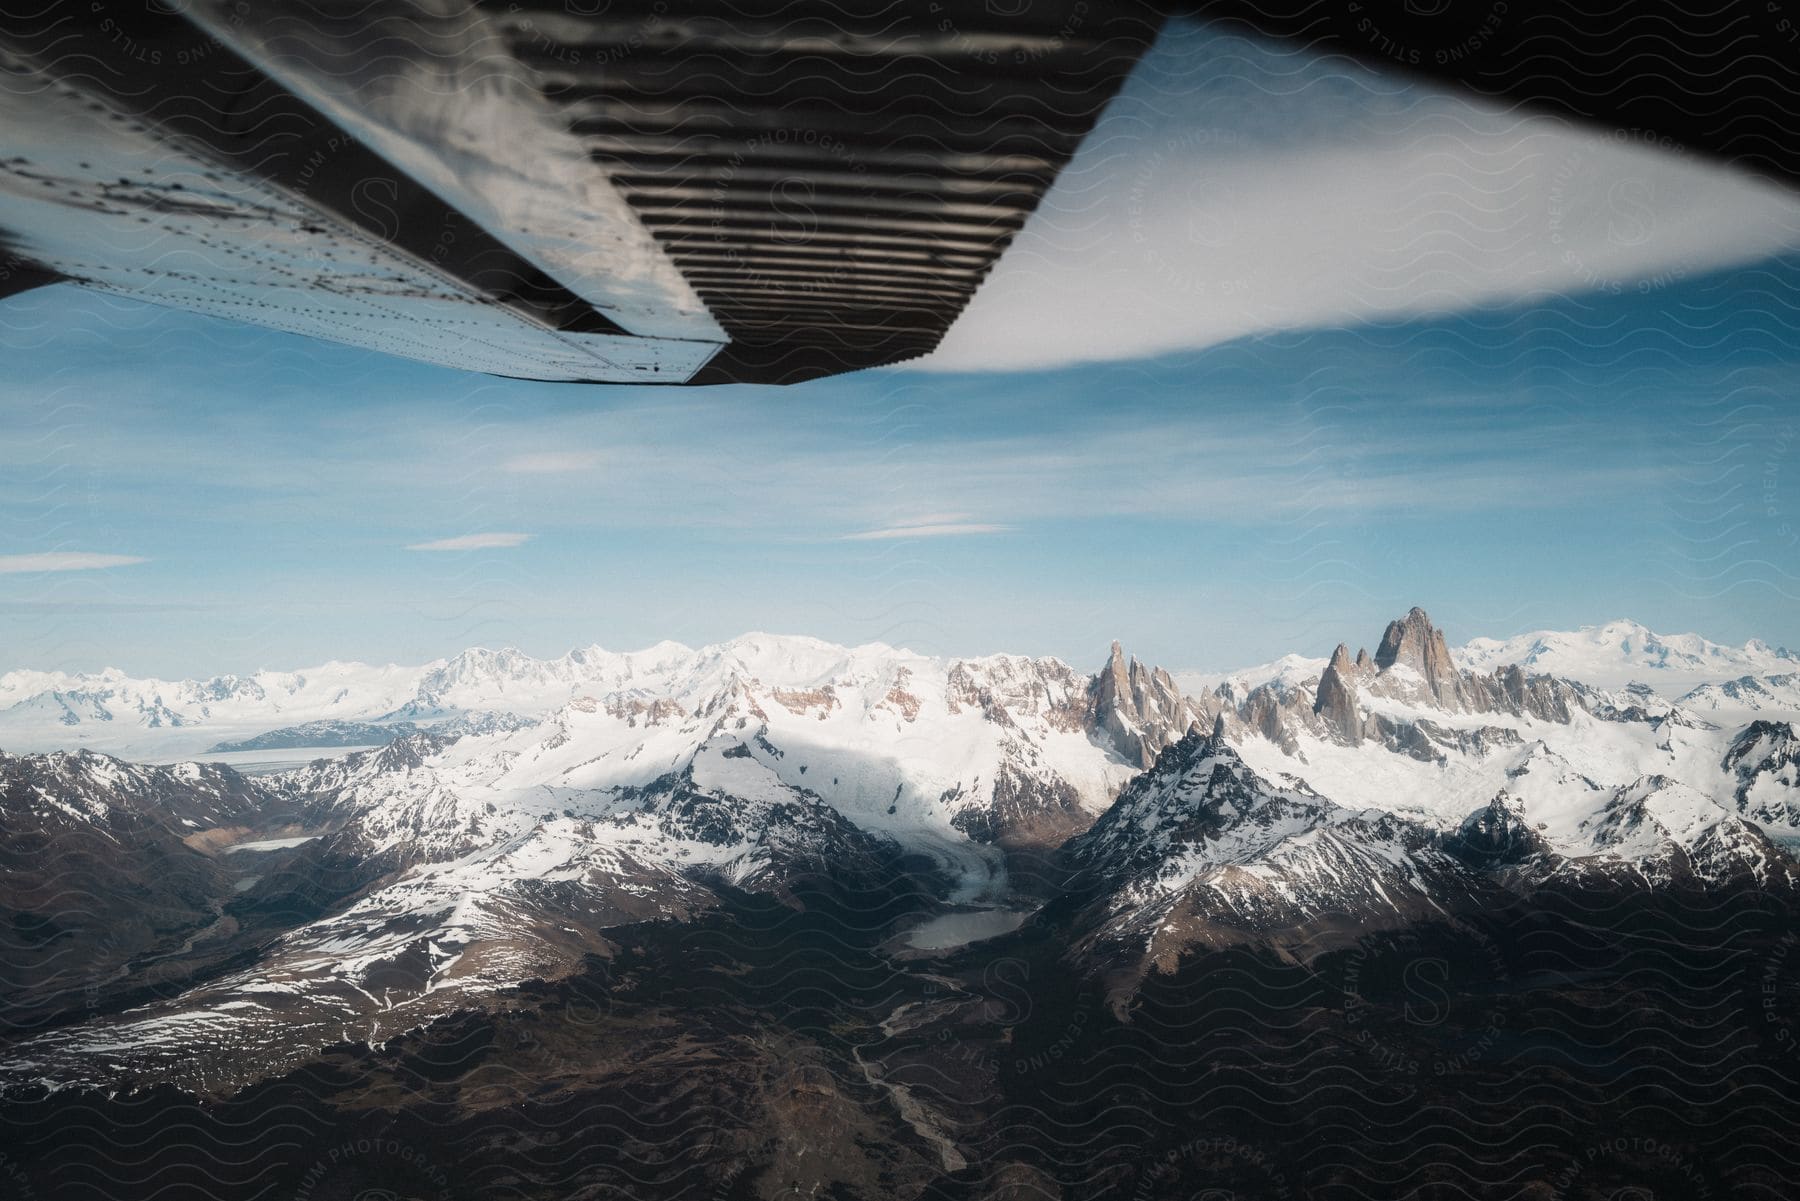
959, 929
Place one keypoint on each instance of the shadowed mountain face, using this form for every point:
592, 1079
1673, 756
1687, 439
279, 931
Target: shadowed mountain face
1200, 851
106, 884
780, 916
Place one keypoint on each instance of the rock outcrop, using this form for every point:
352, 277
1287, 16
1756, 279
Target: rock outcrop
1412, 641
1498, 835
1412, 667
1139, 708
1336, 703
1202, 850
1765, 761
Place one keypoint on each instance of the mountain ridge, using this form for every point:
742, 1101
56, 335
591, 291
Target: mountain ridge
481, 678
442, 869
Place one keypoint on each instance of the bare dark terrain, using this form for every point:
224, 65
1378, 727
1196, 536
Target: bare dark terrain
1589, 1043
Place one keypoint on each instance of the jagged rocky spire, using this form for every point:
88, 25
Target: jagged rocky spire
1412, 641
1139, 708
1336, 702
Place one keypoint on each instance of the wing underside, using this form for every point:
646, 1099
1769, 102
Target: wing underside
766, 192
535, 189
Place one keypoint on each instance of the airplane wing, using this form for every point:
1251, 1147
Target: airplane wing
623, 191
609, 192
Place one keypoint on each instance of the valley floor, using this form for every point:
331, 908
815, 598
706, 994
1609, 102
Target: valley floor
1590, 1044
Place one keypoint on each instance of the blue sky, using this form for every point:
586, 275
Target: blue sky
1549, 465
1251, 383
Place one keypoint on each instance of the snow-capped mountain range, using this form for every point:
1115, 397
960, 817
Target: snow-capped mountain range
528, 807
1612, 656
1623, 652
346, 704
167, 720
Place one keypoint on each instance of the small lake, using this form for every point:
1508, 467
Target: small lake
959, 929
270, 844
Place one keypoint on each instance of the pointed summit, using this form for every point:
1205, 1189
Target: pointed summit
1412, 641
1336, 702
1140, 709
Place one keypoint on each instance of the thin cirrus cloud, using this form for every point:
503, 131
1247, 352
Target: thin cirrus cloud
64, 561
553, 462
935, 525
474, 542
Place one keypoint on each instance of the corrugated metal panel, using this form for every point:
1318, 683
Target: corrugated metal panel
824, 185
835, 180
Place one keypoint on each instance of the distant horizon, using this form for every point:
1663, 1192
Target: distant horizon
378, 663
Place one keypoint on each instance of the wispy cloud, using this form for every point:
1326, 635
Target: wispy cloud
1251, 488
880, 445
552, 462
935, 525
474, 542
64, 561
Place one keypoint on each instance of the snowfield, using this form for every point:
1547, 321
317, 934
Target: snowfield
530, 806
